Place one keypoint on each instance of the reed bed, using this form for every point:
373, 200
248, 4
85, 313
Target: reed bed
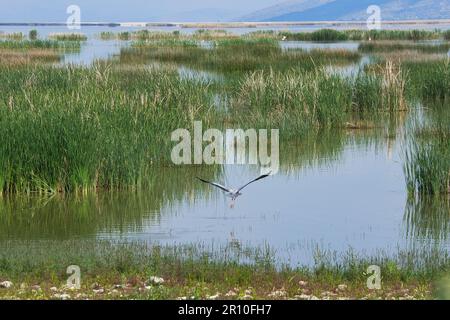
14, 57
90, 128
429, 79
147, 35
68, 36
350, 35
296, 100
40, 44
427, 163
446, 35
234, 56
389, 46
408, 56
12, 36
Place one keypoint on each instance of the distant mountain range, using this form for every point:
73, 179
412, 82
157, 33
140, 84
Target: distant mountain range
348, 10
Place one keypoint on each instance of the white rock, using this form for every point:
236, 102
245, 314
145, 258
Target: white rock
214, 297
230, 293
182, 298
278, 294
328, 294
156, 280
342, 287
302, 283
247, 297
36, 288
6, 284
302, 297
99, 291
63, 296
54, 289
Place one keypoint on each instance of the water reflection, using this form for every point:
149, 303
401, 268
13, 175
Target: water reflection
428, 218
83, 216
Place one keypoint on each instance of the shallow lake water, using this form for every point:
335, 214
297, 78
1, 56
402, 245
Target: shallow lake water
334, 191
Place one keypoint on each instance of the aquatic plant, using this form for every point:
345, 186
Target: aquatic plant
68, 36
427, 163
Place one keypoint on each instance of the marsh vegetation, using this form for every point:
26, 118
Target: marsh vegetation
85, 153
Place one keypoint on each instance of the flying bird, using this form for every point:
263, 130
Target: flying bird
233, 193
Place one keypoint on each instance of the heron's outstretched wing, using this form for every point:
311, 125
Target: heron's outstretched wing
215, 185
254, 180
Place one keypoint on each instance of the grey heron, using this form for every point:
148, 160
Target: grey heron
233, 193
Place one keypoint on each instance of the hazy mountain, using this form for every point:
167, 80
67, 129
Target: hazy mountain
204, 15
408, 9
319, 10
284, 8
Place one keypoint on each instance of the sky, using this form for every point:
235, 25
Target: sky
129, 10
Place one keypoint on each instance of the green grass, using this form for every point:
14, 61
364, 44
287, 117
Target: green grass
197, 271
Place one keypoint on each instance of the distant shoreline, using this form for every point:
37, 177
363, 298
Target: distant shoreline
212, 25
